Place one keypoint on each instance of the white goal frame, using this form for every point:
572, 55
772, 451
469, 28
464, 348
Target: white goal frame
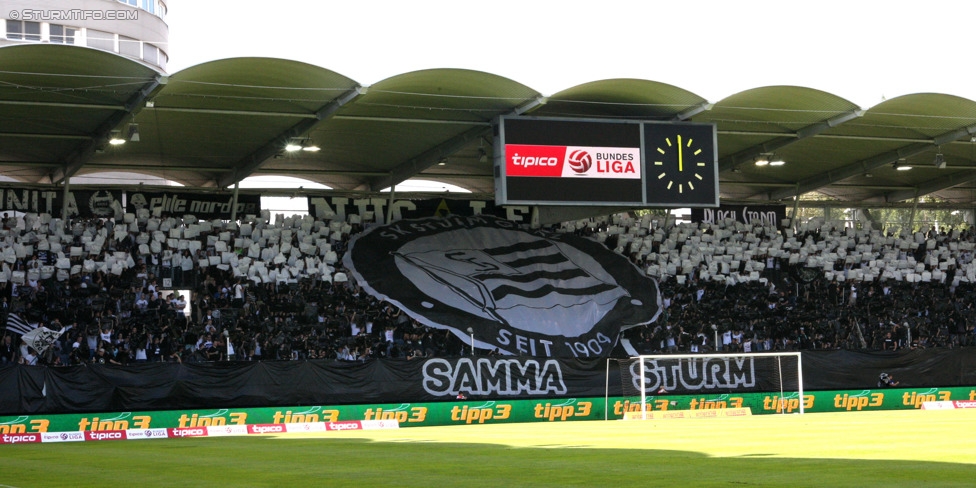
642, 358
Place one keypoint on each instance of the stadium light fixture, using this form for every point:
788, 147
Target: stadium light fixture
899, 166
292, 147
133, 134
116, 138
939, 161
298, 144
769, 159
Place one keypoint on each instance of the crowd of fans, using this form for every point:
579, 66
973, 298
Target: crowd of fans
768, 300
822, 288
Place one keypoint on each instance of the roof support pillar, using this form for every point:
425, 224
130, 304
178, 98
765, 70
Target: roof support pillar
64, 202
389, 205
233, 202
911, 217
796, 208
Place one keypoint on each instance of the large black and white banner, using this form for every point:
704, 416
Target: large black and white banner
173, 386
762, 215
80, 203
108, 203
518, 291
201, 205
342, 207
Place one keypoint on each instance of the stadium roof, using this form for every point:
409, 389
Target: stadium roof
214, 124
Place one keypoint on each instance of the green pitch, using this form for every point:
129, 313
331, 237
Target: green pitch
889, 449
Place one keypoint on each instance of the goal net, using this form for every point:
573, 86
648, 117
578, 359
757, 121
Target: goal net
650, 377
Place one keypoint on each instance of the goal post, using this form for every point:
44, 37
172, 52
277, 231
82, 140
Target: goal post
780, 373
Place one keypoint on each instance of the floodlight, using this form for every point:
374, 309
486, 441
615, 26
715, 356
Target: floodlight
116, 138
292, 147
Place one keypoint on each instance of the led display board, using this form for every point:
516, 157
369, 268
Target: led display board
545, 161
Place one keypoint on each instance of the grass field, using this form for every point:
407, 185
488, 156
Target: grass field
890, 449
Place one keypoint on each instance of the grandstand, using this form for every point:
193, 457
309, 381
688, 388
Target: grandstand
138, 273
221, 101
919, 288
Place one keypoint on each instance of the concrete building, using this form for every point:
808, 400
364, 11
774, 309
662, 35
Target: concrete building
133, 28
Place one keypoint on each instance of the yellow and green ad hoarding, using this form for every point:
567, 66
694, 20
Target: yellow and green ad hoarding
473, 411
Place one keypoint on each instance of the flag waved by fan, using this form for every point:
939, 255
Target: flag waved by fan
18, 325
41, 338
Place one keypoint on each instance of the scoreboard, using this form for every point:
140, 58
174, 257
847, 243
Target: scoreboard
549, 161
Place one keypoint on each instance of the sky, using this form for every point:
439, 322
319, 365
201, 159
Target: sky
865, 51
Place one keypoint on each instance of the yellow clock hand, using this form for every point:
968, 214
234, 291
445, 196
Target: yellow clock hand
680, 158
